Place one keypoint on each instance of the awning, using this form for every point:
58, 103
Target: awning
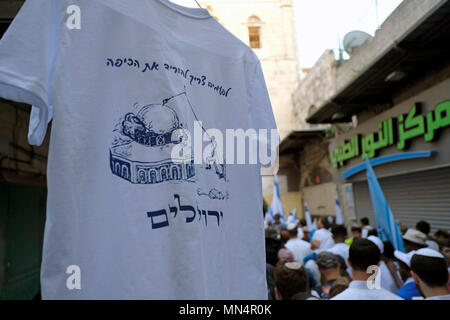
296, 139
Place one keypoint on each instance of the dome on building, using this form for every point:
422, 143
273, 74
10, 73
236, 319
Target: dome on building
159, 119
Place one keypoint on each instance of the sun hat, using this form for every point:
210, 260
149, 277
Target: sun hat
415, 236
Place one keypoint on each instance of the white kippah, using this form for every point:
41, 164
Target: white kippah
427, 252
293, 265
291, 226
378, 243
404, 257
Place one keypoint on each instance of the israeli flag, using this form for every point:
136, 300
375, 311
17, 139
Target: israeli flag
314, 225
309, 223
293, 217
339, 219
388, 229
277, 206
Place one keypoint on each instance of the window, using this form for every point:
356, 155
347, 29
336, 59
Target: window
254, 37
254, 20
254, 32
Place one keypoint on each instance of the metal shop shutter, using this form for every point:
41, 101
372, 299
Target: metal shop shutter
412, 197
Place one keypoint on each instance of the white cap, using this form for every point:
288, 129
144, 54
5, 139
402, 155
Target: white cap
292, 219
291, 226
427, 252
404, 257
378, 242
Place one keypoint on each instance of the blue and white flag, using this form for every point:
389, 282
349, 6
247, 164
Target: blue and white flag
293, 217
309, 223
315, 224
388, 229
339, 219
277, 206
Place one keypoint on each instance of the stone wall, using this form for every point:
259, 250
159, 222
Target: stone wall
315, 89
20, 162
278, 53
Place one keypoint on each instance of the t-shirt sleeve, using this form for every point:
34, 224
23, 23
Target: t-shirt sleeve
26, 57
261, 116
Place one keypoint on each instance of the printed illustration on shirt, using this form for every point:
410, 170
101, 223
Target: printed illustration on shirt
141, 151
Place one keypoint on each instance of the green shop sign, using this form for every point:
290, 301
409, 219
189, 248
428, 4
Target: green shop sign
397, 131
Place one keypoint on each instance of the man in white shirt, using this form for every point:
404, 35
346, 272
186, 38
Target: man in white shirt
366, 227
408, 290
300, 232
299, 248
340, 248
362, 255
322, 238
430, 273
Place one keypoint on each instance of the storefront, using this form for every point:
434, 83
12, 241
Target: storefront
305, 163
392, 103
409, 148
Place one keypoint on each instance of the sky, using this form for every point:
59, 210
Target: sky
321, 23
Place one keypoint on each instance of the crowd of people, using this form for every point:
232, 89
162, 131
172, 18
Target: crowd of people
326, 263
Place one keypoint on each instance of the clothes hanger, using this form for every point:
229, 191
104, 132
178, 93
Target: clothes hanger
198, 3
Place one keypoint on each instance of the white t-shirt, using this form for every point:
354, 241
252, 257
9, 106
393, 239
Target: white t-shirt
121, 80
342, 249
365, 231
359, 290
312, 266
325, 238
299, 248
432, 245
387, 280
300, 233
446, 297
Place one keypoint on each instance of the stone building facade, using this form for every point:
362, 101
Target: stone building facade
267, 26
316, 88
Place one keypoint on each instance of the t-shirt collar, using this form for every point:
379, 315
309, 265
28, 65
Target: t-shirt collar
196, 13
358, 284
409, 280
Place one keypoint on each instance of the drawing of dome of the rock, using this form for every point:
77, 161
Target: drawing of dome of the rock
149, 145
153, 125
159, 119
141, 151
134, 162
